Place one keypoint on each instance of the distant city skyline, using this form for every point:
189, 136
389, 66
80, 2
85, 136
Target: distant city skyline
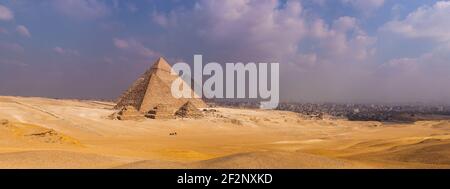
329, 50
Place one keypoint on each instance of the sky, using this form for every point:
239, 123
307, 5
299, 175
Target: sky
361, 51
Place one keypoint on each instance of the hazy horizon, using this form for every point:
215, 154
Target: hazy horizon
344, 51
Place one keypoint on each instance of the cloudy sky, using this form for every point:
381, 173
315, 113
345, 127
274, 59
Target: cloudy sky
328, 50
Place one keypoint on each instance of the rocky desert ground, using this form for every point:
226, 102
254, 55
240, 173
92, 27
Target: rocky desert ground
51, 133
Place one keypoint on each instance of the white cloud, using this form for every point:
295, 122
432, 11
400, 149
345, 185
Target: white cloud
5, 13
420, 77
63, 51
423, 78
22, 30
365, 5
120, 43
160, 19
229, 28
82, 9
425, 22
346, 23
342, 42
135, 47
316, 57
260, 30
433, 60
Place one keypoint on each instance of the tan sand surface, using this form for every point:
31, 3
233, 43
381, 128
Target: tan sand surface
50, 133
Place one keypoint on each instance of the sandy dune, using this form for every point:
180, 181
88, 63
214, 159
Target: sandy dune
254, 160
58, 159
49, 133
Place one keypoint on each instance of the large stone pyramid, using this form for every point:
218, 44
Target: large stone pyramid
153, 88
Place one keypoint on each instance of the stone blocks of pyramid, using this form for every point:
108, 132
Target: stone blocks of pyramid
153, 88
189, 110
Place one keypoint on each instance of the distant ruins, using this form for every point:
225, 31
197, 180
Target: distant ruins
150, 95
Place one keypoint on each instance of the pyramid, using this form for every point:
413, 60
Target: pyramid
153, 88
188, 110
127, 113
161, 112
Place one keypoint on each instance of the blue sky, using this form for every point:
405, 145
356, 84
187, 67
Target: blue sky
328, 50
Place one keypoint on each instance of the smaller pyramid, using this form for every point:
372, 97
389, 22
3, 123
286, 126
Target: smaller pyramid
127, 113
161, 111
189, 110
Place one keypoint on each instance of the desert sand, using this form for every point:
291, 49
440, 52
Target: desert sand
51, 133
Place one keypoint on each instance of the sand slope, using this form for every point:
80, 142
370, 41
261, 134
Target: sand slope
57, 159
253, 160
50, 133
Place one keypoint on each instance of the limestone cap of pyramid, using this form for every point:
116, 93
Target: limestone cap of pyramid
161, 65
